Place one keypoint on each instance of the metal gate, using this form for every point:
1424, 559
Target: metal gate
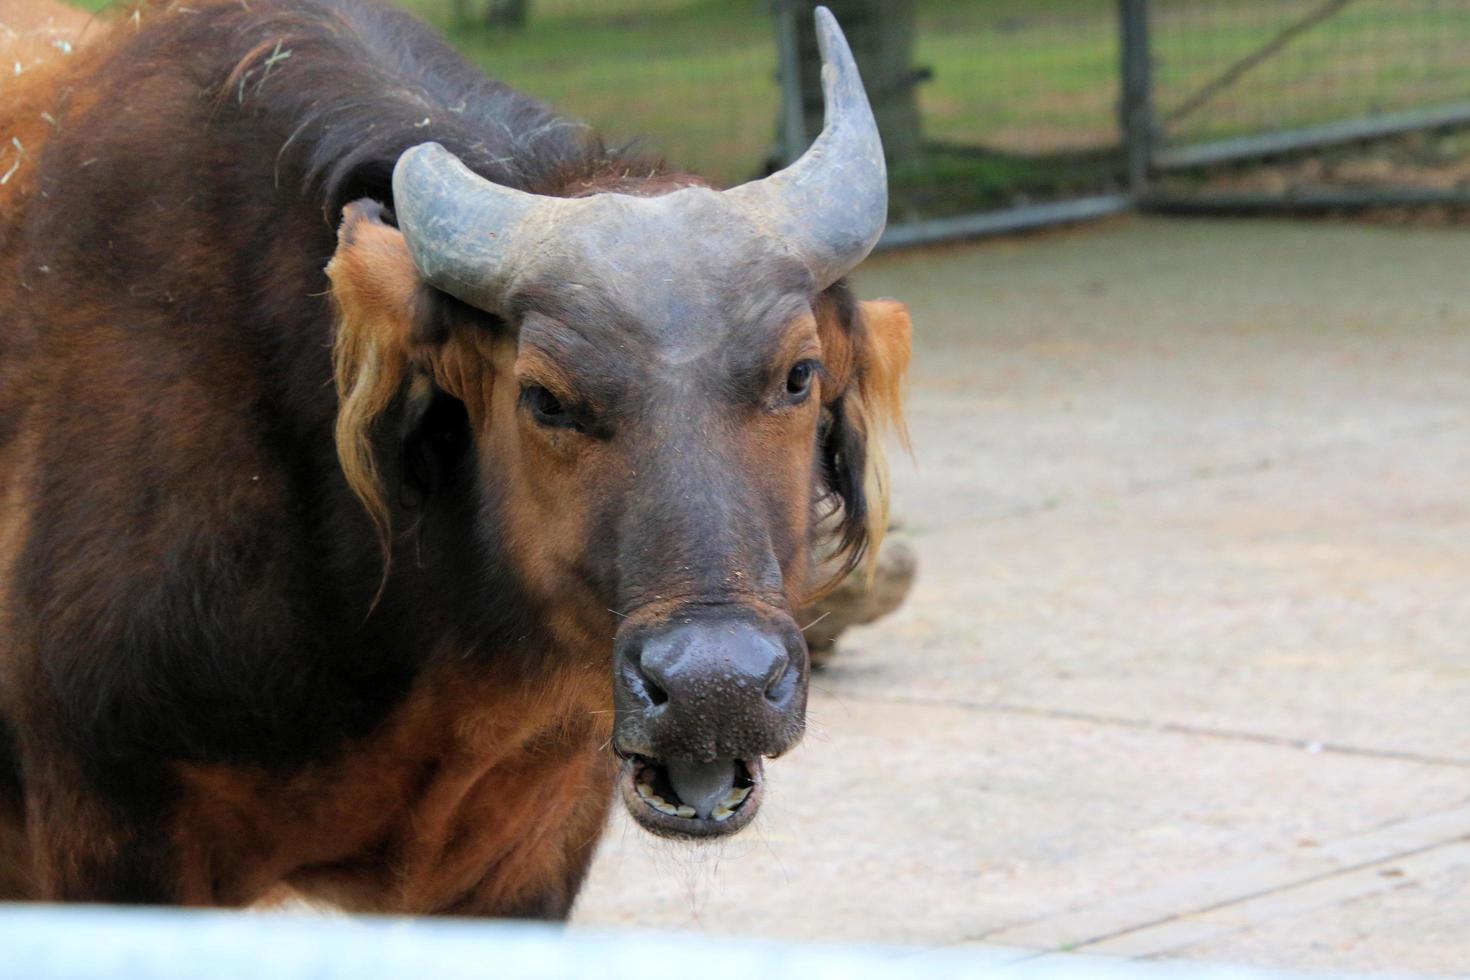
1301, 103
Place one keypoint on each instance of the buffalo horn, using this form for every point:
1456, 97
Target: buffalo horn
832, 203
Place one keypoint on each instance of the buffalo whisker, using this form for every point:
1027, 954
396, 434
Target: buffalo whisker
816, 621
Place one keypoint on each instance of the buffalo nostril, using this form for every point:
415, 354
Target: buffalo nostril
776, 687
651, 688
656, 694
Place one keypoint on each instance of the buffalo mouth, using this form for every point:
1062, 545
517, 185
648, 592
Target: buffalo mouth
675, 798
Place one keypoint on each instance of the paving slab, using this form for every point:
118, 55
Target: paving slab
1412, 925
1190, 647
1209, 903
1232, 464
1054, 369
941, 824
1322, 602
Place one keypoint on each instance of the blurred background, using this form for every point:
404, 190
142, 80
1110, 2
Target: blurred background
1009, 113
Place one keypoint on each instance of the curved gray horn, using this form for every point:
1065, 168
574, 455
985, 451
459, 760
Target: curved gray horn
832, 203
461, 229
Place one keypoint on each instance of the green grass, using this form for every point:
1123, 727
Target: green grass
695, 81
1034, 83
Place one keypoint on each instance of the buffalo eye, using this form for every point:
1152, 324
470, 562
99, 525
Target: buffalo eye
799, 381
546, 408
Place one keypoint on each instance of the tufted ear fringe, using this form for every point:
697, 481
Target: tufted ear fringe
868, 360
375, 289
882, 371
392, 340
369, 374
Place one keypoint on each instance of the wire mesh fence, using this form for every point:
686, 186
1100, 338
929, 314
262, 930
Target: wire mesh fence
1317, 103
1014, 105
1002, 113
690, 79
1225, 68
1019, 107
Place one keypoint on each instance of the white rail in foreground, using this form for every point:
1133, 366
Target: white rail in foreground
82, 943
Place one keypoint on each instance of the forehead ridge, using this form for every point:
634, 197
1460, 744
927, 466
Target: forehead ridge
679, 273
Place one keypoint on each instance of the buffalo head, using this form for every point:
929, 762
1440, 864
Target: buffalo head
666, 387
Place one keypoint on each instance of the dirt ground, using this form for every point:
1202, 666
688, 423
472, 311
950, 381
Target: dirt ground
1187, 669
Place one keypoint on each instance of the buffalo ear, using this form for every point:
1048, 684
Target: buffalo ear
882, 368
883, 361
382, 308
420, 465
433, 433
871, 340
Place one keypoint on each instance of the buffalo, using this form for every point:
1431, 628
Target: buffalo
394, 474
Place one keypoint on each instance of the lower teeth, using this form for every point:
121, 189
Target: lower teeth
737, 796
723, 811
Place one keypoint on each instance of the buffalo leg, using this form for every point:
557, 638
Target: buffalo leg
15, 852
510, 889
87, 849
16, 881
550, 902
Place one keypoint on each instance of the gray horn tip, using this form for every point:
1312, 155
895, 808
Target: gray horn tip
830, 38
826, 21
418, 155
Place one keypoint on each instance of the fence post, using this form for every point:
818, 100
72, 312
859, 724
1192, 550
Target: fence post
1137, 109
793, 113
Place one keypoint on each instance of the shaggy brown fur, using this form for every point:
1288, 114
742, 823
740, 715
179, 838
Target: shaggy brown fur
220, 673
